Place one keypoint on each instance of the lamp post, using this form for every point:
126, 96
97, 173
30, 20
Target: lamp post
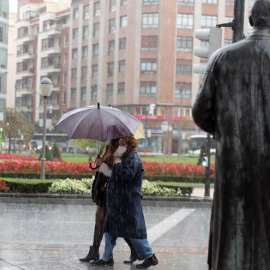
45, 90
165, 127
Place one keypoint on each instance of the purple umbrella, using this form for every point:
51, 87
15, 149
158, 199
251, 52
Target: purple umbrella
97, 122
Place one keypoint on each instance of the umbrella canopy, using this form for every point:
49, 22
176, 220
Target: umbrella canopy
99, 123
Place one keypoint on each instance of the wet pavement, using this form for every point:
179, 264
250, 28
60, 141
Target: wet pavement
52, 235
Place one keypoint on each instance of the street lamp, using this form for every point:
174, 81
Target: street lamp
165, 127
45, 90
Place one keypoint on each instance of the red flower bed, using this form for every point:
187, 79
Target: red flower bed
50, 167
3, 186
17, 157
72, 168
175, 169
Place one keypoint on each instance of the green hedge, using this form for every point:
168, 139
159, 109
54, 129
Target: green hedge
28, 186
179, 179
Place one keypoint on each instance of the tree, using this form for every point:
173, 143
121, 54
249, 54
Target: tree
16, 124
56, 152
48, 154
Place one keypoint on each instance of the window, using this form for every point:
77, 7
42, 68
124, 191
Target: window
185, 21
74, 53
109, 91
65, 59
75, 33
97, 9
86, 12
148, 66
85, 32
112, 5
150, 20
111, 26
183, 67
209, 21
122, 43
93, 92
30, 15
84, 73
121, 88
150, 2
111, 47
84, 53
123, 21
215, 2
22, 32
64, 78
110, 69
230, 2
228, 19
186, 2
184, 44
122, 66
182, 90
148, 89
95, 50
94, 71
73, 93
75, 13
66, 40
74, 73
96, 30
149, 42
227, 42
47, 25
83, 93
124, 2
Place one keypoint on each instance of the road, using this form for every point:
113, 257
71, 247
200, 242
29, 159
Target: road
54, 236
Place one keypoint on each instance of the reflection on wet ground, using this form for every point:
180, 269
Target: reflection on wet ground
54, 236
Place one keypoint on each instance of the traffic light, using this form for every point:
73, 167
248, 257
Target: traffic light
205, 161
151, 108
214, 36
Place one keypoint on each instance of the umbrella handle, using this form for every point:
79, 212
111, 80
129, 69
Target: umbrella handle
93, 168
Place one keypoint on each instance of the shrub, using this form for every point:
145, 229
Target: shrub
56, 154
70, 186
48, 154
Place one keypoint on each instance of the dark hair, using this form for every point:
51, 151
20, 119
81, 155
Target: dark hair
260, 14
131, 145
107, 157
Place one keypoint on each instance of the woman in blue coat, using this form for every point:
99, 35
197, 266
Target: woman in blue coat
124, 209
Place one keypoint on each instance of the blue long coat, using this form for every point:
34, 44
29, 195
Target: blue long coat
124, 209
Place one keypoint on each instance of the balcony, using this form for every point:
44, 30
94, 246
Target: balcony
24, 73
52, 30
24, 55
51, 50
55, 68
25, 90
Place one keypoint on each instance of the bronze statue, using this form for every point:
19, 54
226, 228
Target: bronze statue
233, 104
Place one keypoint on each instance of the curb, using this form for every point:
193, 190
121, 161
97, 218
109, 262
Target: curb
84, 199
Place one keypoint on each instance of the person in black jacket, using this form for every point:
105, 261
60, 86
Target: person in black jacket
124, 209
104, 165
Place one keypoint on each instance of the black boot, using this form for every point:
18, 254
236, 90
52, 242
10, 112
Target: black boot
151, 261
102, 262
93, 254
133, 255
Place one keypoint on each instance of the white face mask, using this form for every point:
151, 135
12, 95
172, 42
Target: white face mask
120, 151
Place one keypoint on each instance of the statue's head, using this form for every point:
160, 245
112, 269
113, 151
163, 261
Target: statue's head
260, 14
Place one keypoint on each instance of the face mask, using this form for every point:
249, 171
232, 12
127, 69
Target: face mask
120, 151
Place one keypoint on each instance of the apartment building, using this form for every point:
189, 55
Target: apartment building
133, 53
124, 53
41, 27
4, 10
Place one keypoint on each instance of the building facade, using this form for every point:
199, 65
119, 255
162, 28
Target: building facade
40, 28
4, 10
124, 53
